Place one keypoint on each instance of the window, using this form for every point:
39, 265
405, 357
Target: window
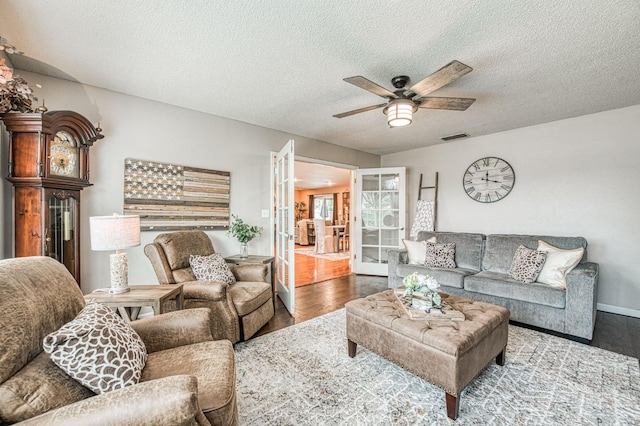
323, 206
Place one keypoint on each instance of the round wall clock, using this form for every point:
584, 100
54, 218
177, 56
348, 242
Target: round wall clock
489, 179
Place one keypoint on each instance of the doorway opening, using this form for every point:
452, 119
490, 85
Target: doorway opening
321, 191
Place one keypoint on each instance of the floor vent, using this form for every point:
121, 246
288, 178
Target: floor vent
453, 137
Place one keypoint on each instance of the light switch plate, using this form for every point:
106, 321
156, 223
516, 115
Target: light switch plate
265, 213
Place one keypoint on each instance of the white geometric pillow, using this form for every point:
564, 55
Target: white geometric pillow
526, 264
98, 349
211, 268
417, 250
558, 264
440, 255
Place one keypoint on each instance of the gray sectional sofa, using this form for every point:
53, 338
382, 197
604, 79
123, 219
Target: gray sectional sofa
482, 273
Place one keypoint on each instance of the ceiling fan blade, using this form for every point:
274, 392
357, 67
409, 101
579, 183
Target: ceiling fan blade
445, 75
370, 86
358, 111
457, 104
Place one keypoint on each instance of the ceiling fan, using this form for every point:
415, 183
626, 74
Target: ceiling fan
402, 103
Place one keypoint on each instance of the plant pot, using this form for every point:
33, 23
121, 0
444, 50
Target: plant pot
244, 250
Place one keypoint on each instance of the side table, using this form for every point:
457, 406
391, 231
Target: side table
267, 260
128, 304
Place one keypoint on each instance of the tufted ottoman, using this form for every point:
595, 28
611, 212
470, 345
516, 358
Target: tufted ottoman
448, 354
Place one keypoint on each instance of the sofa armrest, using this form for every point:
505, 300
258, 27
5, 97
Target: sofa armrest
252, 272
178, 328
582, 290
396, 257
137, 404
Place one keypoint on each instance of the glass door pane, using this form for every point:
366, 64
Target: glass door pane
380, 217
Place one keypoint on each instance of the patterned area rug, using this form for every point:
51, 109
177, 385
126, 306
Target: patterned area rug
302, 375
328, 256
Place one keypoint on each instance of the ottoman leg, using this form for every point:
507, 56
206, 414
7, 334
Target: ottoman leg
501, 357
453, 405
352, 348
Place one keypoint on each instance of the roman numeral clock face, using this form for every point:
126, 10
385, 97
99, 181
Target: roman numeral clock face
488, 180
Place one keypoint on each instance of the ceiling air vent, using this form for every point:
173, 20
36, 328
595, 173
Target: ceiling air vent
453, 137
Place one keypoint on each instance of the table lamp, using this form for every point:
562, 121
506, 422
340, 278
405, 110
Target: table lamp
115, 233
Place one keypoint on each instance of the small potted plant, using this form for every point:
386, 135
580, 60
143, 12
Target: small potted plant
244, 233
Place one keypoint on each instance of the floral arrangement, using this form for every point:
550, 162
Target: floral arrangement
424, 284
242, 231
15, 93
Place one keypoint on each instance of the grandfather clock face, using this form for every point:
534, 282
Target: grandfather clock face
63, 156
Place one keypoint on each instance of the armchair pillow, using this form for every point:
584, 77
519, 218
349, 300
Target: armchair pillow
558, 264
98, 349
417, 250
440, 255
526, 264
211, 268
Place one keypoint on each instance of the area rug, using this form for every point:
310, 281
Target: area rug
302, 375
328, 256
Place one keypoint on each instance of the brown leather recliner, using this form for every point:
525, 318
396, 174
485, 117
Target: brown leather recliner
188, 378
238, 310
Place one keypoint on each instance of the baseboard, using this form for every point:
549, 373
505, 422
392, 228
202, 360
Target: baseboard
618, 310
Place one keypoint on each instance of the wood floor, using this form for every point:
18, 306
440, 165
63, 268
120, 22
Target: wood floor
311, 269
616, 333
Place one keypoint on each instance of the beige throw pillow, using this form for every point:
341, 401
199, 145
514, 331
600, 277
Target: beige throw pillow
417, 250
558, 264
98, 349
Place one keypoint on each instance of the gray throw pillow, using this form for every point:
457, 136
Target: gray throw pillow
211, 268
440, 255
527, 264
98, 349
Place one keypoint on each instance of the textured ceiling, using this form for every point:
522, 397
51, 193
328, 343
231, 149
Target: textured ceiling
280, 64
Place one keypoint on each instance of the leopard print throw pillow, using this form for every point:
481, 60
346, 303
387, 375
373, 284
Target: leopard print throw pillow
527, 264
211, 268
440, 255
98, 349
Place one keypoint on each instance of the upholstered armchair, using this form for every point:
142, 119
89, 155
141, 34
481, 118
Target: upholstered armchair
188, 378
238, 310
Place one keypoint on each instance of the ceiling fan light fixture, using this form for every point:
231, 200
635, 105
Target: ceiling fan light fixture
400, 112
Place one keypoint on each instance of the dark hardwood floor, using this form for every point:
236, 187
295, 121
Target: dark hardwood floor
616, 333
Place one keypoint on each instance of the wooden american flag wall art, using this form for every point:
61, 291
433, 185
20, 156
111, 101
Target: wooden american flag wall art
172, 197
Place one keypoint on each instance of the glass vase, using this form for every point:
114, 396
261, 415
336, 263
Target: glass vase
244, 250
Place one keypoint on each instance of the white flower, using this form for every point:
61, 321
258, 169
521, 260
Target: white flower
432, 284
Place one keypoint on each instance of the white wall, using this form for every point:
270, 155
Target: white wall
574, 177
142, 129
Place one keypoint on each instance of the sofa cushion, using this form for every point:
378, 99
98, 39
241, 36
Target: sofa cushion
500, 285
468, 247
440, 255
40, 386
558, 264
178, 246
445, 277
417, 250
98, 349
499, 249
211, 268
526, 264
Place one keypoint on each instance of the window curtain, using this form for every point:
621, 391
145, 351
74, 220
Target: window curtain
335, 208
311, 207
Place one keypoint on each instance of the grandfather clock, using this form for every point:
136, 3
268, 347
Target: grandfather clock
48, 167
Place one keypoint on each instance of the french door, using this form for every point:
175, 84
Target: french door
379, 219
285, 256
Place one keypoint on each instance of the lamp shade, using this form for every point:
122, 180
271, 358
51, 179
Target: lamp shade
114, 232
400, 112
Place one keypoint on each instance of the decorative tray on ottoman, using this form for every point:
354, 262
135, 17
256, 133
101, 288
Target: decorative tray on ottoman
429, 313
